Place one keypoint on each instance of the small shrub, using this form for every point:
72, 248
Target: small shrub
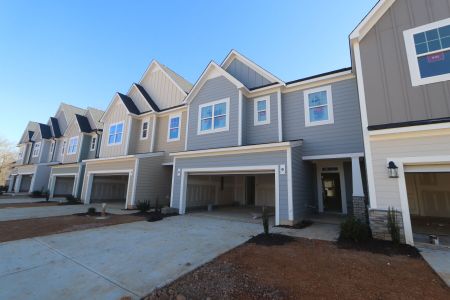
143, 206
91, 211
354, 230
72, 200
392, 225
36, 193
265, 220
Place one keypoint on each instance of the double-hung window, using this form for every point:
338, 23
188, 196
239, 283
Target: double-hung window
318, 106
144, 130
261, 114
115, 134
36, 149
93, 143
214, 116
73, 145
428, 52
173, 133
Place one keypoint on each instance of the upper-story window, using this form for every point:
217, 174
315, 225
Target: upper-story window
63, 147
144, 130
93, 143
261, 111
214, 116
115, 134
36, 149
73, 145
428, 51
173, 132
318, 106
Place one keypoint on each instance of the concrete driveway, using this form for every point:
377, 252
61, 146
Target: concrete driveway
111, 262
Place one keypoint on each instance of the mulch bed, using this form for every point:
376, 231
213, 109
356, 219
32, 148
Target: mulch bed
308, 269
301, 225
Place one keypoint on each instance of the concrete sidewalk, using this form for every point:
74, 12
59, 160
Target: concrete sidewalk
438, 258
25, 199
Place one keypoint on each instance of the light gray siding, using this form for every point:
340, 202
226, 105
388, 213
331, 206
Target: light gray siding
302, 183
161, 135
116, 113
72, 168
344, 136
85, 143
261, 134
249, 77
153, 181
91, 154
390, 96
214, 89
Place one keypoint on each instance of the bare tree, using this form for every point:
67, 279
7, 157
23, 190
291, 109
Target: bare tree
8, 154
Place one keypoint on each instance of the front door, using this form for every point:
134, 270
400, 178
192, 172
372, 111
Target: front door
331, 192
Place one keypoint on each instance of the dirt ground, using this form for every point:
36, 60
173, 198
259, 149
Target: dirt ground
307, 269
21, 229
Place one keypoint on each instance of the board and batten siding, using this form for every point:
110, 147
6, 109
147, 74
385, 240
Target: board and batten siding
237, 160
390, 96
343, 136
139, 100
261, 134
72, 131
117, 113
249, 77
161, 143
162, 90
214, 89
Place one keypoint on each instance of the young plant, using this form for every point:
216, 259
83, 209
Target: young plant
91, 211
72, 200
354, 230
392, 225
143, 206
265, 220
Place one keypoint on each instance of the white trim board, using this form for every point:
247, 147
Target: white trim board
333, 156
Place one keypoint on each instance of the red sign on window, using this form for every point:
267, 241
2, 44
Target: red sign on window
436, 57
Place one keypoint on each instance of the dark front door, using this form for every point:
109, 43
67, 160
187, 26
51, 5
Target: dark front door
331, 185
250, 190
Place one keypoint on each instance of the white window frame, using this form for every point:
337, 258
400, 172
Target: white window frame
63, 148
37, 149
146, 130
109, 130
52, 147
213, 130
72, 148
93, 144
256, 122
306, 93
173, 116
411, 54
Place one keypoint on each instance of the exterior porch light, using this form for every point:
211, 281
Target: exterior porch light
392, 170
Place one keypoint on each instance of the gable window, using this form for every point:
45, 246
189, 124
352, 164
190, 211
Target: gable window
36, 149
261, 113
214, 116
144, 130
318, 106
173, 133
428, 52
73, 145
93, 143
115, 134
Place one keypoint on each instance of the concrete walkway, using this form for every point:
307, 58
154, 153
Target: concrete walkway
438, 258
25, 199
111, 262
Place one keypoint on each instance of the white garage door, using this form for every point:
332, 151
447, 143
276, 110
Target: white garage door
64, 185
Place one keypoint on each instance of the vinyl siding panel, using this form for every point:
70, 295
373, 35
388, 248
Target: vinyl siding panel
302, 184
72, 131
162, 90
117, 113
153, 181
344, 136
91, 154
390, 96
249, 77
139, 100
69, 169
261, 134
214, 89
161, 143
136, 144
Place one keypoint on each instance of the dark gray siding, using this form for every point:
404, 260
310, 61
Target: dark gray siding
260, 134
214, 89
348, 186
344, 136
249, 77
390, 96
85, 147
302, 184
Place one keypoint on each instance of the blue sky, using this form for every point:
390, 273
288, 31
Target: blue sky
82, 52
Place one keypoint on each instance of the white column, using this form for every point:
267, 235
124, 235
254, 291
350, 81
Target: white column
17, 185
358, 190
11, 182
52, 186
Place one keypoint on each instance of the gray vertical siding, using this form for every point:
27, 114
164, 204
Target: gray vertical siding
344, 136
390, 96
214, 89
348, 186
85, 146
260, 134
249, 77
302, 183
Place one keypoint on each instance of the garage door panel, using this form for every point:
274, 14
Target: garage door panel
64, 186
109, 188
25, 184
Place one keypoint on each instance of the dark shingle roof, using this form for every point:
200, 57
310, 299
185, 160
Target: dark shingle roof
147, 97
46, 131
83, 123
129, 104
55, 126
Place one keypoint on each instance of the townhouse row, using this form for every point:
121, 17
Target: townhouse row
354, 141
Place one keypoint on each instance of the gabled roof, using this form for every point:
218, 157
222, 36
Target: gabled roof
46, 131
83, 123
55, 127
129, 104
212, 67
371, 19
147, 97
236, 55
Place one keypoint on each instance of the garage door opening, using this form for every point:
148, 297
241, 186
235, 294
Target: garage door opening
25, 183
64, 186
233, 195
429, 205
109, 189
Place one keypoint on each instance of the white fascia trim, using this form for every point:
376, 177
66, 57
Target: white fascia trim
319, 81
418, 128
240, 127
280, 117
371, 19
127, 145
173, 179
255, 110
133, 189
333, 156
187, 128
306, 93
289, 183
125, 157
365, 123
264, 90
173, 116
214, 130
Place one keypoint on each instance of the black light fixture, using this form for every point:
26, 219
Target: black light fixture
392, 170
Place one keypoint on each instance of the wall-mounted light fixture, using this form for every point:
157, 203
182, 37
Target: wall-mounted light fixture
392, 170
